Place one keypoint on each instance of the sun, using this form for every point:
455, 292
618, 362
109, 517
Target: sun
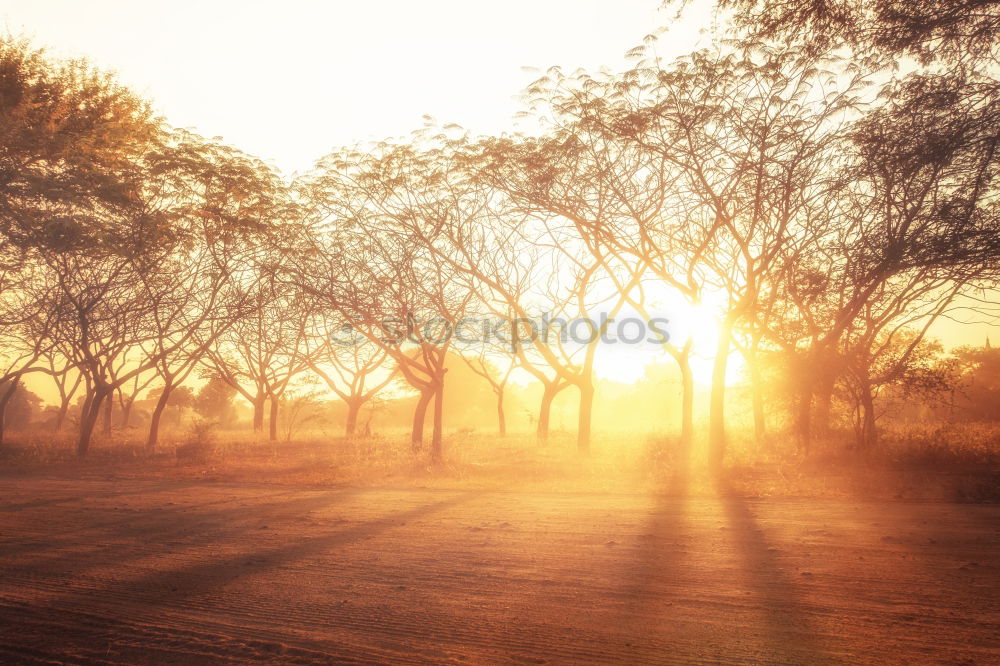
704, 329
628, 363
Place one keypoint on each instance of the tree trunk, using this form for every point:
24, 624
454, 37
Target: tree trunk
687, 410
65, 398
4, 401
108, 414
88, 400
273, 420
717, 401
757, 398
258, 412
803, 419
501, 417
417, 433
89, 418
61, 414
869, 432
437, 450
127, 412
544, 411
351, 426
154, 423
824, 400
584, 420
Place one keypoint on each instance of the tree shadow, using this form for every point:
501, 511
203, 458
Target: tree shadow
121, 596
658, 577
787, 634
697, 595
173, 527
213, 572
76, 499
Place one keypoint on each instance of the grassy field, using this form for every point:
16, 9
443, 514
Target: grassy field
956, 463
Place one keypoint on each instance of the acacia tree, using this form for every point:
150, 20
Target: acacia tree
126, 393
68, 133
74, 197
753, 134
380, 215
703, 172
925, 156
915, 229
365, 280
519, 287
616, 194
26, 335
484, 241
99, 321
482, 363
214, 400
264, 349
226, 209
919, 228
519, 290
67, 381
953, 30
351, 366
126, 400
895, 366
124, 296
878, 356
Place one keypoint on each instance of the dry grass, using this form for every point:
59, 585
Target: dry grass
959, 462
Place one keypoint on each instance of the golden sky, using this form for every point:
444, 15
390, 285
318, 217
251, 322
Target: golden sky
290, 80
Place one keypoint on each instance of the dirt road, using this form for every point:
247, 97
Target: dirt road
169, 572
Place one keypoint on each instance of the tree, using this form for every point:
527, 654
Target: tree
902, 360
616, 194
491, 241
952, 29
127, 394
139, 293
914, 229
265, 349
75, 184
351, 366
214, 401
978, 391
67, 381
518, 289
28, 315
480, 363
97, 325
740, 144
225, 209
69, 134
19, 405
378, 216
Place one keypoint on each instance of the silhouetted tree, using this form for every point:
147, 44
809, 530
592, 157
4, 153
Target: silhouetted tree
351, 366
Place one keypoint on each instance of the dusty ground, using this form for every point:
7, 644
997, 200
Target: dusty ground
154, 571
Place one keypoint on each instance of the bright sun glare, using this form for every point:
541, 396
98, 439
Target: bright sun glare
629, 362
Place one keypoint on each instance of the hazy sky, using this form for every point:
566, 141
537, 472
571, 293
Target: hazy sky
288, 81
